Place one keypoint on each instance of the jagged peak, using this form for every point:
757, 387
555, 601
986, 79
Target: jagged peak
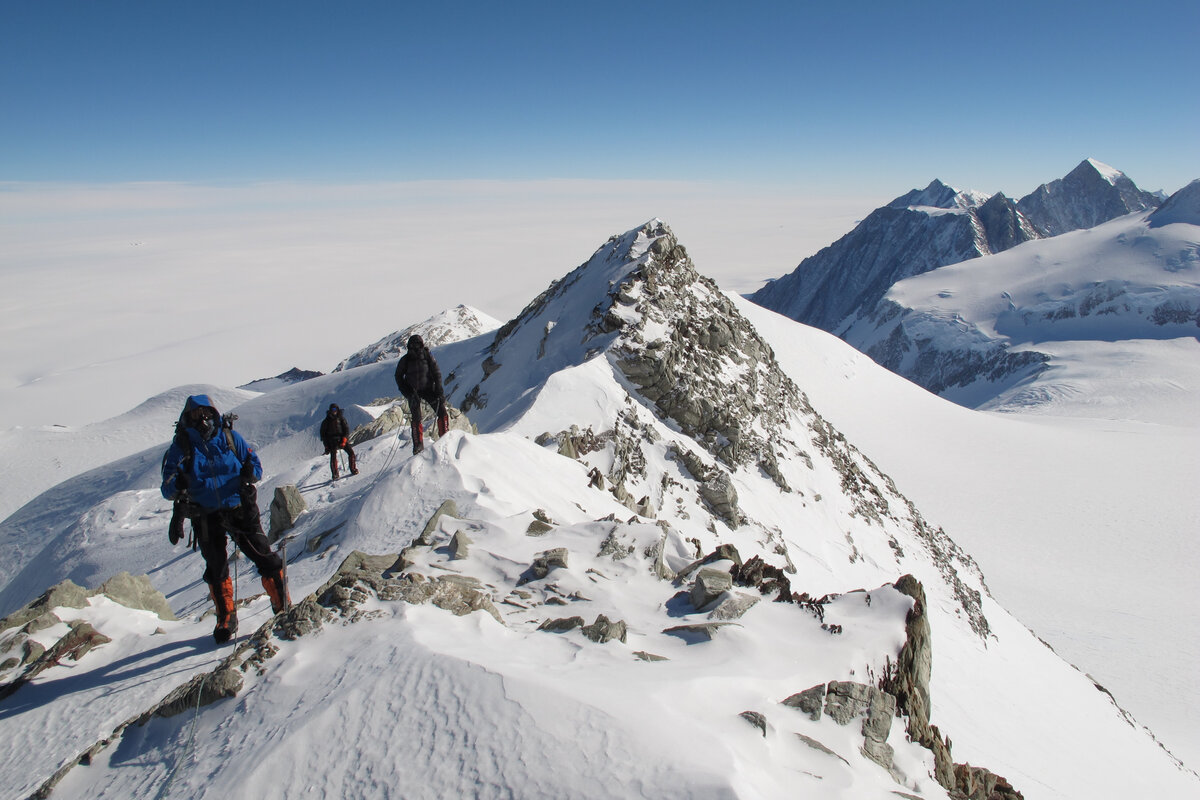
939, 195
1110, 174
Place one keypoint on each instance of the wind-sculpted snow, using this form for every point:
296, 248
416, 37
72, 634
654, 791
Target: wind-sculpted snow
1181, 207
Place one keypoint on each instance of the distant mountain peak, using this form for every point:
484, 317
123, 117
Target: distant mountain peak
939, 195
915, 233
1090, 194
1110, 174
451, 325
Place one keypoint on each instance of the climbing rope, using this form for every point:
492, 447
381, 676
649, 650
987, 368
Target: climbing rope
187, 748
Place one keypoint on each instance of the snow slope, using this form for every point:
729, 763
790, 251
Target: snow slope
396, 699
1024, 329
35, 459
1084, 525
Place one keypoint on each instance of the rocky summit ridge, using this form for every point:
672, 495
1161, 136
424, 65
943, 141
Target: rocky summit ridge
657, 526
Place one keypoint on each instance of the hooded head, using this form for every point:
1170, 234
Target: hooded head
200, 414
415, 342
333, 410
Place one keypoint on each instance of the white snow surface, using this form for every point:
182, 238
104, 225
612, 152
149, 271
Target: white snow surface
1114, 307
1110, 174
415, 702
1084, 525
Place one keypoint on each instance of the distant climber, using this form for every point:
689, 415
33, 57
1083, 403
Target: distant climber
419, 378
335, 435
210, 471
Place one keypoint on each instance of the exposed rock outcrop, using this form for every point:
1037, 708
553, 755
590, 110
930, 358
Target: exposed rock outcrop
20, 651
286, 507
909, 683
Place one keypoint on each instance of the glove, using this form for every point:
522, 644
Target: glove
175, 529
343, 441
247, 473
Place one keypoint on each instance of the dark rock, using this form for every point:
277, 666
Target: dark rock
976, 783
561, 625
710, 584
703, 631
605, 630
543, 564
136, 592
765, 577
66, 594
394, 419
447, 509
815, 745
756, 719
734, 606
810, 701
286, 507
460, 544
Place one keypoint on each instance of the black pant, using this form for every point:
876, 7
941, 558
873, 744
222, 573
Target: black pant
244, 527
332, 448
431, 396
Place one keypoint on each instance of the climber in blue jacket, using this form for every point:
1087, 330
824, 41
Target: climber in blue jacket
210, 471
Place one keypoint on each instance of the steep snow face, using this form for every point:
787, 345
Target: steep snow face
451, 325
997, 332
1090, 194
1183, 207
915, 233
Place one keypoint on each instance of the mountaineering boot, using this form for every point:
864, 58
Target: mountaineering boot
443, 423
277, 590
334, 470
353, 464
418, 436
227, 623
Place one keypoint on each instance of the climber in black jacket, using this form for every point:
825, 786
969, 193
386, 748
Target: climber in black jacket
418, 378
335, 433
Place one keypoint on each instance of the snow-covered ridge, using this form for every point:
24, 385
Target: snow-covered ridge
981, 330
913, 234
451, 325
1110, 174
643, 462
1089, 195
972, 354
1183, 207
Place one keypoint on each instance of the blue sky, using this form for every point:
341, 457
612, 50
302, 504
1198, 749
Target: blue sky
871, 96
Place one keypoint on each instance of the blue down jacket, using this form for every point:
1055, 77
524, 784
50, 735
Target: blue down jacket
215, 476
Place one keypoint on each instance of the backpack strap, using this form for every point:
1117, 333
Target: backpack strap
227, 428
